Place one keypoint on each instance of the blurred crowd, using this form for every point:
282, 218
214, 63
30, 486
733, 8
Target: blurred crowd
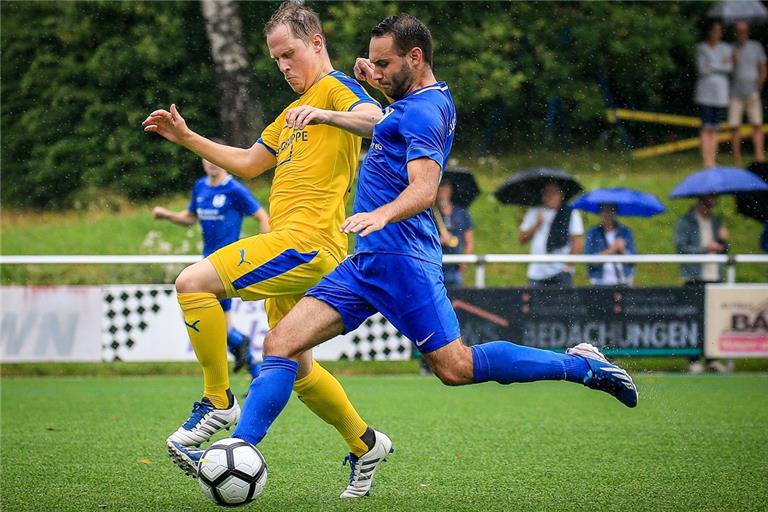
730, 79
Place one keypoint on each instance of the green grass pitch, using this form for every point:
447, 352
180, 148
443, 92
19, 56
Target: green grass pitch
693, 443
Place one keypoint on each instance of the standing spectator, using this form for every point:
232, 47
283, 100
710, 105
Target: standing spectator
553, 228
749, 73
714, 61
701, 232
219, 202
458, 237
610, 237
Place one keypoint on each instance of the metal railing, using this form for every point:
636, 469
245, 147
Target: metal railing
479, 260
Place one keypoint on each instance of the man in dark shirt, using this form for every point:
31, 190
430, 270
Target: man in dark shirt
458, 236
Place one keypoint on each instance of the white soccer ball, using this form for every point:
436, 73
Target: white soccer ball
232, 472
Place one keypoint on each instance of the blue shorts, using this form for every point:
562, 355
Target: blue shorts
711, 117
409, 292
226, 304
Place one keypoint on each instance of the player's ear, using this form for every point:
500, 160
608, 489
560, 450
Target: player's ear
415, 55
318, 42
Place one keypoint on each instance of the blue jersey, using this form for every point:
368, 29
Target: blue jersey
421, 124
220, 210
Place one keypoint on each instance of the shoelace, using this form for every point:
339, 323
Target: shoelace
199, 409
352, 466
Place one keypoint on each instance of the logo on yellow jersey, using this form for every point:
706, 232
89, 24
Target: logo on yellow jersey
296, 136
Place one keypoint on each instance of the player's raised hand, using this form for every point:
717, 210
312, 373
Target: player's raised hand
364, 223
298, 118
364, 72
168, 124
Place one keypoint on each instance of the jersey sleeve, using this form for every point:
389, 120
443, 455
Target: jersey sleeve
270, 137
424, 132
247, 205
347, 93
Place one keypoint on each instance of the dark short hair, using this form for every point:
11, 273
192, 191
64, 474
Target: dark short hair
302, 21
407, 32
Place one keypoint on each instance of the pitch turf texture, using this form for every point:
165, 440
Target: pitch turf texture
694, 443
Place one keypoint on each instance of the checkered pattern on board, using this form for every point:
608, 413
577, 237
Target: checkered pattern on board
126, 311
377, 339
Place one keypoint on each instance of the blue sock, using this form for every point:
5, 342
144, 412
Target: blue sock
234, 338
255, 369
267, 396
506, 362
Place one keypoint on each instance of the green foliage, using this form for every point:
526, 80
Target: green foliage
79, 77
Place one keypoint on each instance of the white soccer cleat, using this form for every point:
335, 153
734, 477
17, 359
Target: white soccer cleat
204, 422
363, 468
604, 376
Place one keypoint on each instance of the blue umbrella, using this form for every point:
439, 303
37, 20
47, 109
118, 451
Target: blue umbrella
718, 181
628, 202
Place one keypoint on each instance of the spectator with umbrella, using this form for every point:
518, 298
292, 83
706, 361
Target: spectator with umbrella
612, 237
551, 226
699, 231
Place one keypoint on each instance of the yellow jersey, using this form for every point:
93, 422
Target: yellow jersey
315, 166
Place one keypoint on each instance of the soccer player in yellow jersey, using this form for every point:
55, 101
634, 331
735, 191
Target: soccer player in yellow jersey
314, 146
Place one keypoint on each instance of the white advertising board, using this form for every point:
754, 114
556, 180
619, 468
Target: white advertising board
41, 323
736, 319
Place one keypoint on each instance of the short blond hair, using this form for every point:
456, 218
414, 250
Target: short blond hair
302, 21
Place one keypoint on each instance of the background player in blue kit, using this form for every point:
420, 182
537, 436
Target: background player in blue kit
396, 267
220, 203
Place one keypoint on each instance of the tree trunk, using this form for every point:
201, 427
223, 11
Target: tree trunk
241, 115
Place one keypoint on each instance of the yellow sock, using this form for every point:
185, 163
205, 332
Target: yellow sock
207, 328
323, 394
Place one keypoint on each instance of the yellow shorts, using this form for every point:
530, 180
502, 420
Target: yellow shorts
275, 266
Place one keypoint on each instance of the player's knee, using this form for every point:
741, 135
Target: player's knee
452, 375
275, 344
185, 283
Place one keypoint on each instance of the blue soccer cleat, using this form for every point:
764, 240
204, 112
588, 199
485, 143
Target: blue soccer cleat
363, 468
187, 458
605, 376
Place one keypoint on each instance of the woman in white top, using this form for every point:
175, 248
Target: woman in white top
714, 62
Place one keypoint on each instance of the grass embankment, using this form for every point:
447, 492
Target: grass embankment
131, 230
693, 443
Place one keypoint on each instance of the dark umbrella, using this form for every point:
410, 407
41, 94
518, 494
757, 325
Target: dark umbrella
465, 189
718, 181
731, 11
755, 204
628, 202
524, 187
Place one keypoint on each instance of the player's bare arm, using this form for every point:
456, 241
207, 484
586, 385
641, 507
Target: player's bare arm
184, 217
244, 163
263, 219
420, 194
360, 120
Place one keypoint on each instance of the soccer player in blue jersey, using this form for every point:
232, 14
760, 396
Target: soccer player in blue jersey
220, 203
396, 266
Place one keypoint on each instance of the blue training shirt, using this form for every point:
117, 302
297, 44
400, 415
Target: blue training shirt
220, 210
421, 124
